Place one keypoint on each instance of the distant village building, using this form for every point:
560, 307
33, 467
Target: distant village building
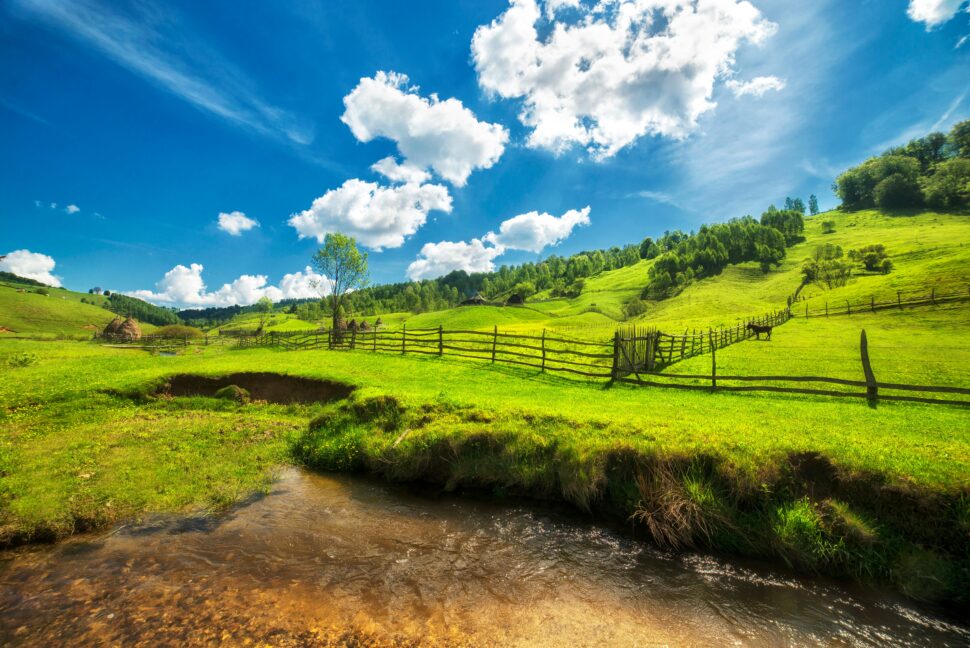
477, 300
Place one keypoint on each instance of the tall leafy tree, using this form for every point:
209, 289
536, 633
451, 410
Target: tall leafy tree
344, 268
813, 205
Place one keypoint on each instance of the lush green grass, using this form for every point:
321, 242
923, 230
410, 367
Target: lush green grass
82, 446
921, 346
59, 313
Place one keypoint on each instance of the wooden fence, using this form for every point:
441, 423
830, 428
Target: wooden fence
622, 360
873, 389
647, 349
886, 301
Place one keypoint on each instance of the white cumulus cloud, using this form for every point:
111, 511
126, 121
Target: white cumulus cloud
756, 86
442, 135
933, 13
377, 216
72, 209
235, 223
436, 259
617, 71
395, 172
534, 231
531, 232
30, 265
184, 286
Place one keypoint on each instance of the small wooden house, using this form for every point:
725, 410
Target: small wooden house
477, 300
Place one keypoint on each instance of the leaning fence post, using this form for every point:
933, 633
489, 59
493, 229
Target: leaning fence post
404, 338
615, 372
848, 307
543, 350
713, 366
494, 341
441, 343
872, 388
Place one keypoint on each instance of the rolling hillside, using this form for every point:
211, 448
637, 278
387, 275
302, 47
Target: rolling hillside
24, 312
927, 249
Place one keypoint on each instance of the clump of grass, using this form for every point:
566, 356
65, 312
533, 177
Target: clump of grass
20, 360
234, 393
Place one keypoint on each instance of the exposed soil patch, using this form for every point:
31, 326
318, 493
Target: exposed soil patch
4, 329
271, 387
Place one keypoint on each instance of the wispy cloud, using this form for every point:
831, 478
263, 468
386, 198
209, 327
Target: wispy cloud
148, 44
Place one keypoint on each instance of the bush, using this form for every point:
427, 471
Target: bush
21, 360
43, 291
178, 331
828, 227
234, 393
635, 307
897, 191
949, 185
871, 257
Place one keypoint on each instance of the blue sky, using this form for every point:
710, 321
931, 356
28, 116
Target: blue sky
129, 128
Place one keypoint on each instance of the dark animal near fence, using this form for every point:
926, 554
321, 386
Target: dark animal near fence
759, 329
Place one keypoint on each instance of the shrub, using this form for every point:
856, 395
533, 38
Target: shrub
234, 393
949, 185
22, 360
43, 291
635, 307
828, 227
178, 331
897, 191
870, 256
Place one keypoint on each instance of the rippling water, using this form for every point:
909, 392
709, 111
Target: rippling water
335, 560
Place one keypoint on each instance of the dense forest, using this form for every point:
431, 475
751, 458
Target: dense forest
141, 310
931, 171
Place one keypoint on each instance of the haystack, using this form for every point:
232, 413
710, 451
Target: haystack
364, 325
378, 322
353, 325
129, 330
112, 327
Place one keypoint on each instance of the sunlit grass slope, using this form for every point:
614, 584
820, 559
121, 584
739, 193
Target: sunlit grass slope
59, 313
927, 249
925, 346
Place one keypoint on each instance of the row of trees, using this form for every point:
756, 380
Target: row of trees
929, 171
141, 310
682, 258
560, 275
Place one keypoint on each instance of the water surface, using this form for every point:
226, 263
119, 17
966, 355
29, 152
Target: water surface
340, 559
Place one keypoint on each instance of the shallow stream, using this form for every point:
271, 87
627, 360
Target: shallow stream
341, 559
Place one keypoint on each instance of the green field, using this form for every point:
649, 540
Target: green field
820, 483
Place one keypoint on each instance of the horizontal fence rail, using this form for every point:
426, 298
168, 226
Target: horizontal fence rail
885, 301
623, 360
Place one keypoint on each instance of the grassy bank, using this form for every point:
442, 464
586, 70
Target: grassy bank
824, 485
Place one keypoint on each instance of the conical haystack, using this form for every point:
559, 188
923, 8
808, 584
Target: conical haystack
129, 330
112, 327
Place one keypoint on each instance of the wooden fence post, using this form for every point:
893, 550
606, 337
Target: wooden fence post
374, 349
494, 342
872, 303
899, 300
848, 307
404, 338
441, 343
713, 366
615, 372
872, 388
826, 309
806, 309
353, 338
207, 338
543, 350
933, 295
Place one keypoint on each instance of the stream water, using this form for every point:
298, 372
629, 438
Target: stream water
343, 559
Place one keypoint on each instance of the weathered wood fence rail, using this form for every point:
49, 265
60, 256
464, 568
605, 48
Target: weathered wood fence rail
886, 301
874, 390
647, 349
611, 360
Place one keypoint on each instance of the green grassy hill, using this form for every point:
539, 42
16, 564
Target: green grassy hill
25, 312
927, 249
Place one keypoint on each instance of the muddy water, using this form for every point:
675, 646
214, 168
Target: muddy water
339, 560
